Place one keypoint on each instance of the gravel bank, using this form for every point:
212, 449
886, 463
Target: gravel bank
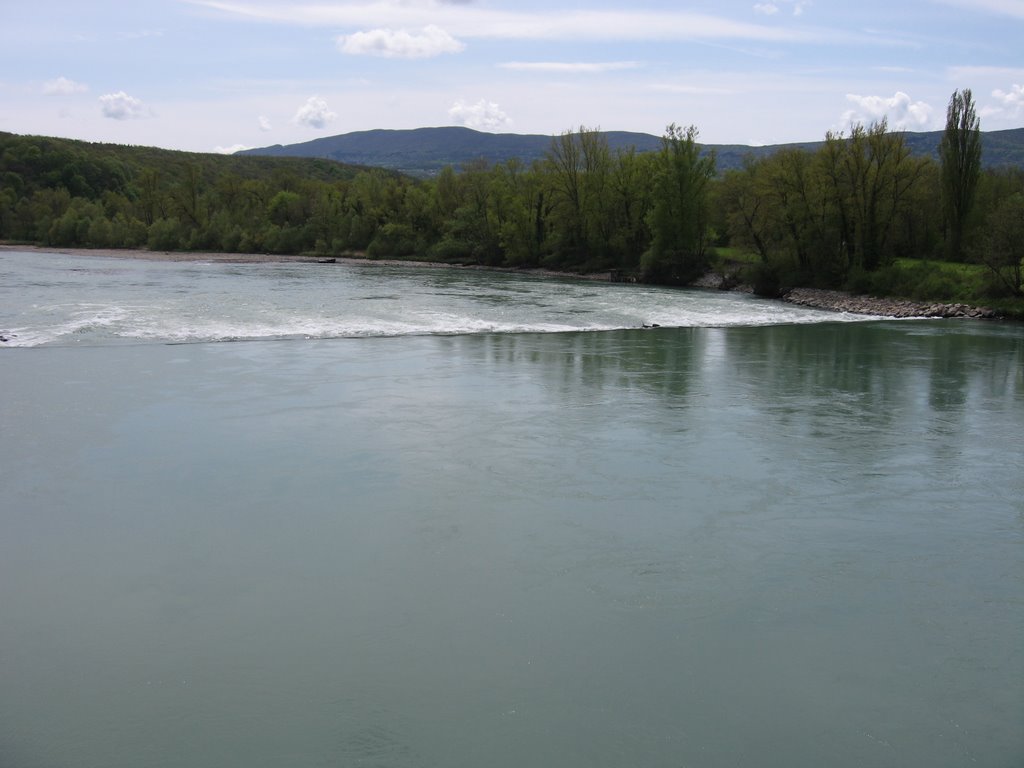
838, 301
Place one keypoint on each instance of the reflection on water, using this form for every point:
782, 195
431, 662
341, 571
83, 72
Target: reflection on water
795, 545
620, 361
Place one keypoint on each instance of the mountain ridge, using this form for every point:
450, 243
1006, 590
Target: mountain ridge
425, 151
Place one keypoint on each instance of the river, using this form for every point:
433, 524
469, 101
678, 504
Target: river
310, 515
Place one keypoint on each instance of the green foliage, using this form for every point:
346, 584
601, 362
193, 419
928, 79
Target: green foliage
1002, 248
286, 208
165, 235
394, 241
285, 239
870, 179
679, 217
838, 216
585, 207
843, 215
960, 155
921, 280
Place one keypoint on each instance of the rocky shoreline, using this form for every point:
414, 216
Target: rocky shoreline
840, 301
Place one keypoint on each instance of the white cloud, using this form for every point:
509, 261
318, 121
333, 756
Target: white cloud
770, 8
121, 106
63, 87
477, 20
264, 124
482, 116
901, 113
230, 150
570, 67
400, 43
314, 113
1011, 101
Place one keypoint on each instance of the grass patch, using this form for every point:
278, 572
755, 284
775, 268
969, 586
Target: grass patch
725, 256
964, 272
1011, 309
921, 280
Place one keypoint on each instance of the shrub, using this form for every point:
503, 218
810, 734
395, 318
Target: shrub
393, 241
164, 235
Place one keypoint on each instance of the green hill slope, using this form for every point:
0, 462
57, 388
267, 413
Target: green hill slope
88, 169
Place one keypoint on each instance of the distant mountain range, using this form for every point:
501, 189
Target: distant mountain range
425, 151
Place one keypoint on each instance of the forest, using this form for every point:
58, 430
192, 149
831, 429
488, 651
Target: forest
861, 213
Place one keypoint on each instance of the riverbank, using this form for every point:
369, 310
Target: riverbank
841, 301
213, 256
815, 298
276, 258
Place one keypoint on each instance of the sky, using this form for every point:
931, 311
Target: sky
222, 75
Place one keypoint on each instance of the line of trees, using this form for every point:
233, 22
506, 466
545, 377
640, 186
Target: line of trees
841, 217
837, 217
584, 207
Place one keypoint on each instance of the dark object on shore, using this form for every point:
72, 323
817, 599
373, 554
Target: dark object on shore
326, 261
618, 276
652, 325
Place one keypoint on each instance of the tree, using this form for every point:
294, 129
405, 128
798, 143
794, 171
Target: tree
795, 182
679, 217
749, 213
567, 166
187, 196
1003, 246
960, 154
871, 176
631, 203
471, 231
517, 195
150, 196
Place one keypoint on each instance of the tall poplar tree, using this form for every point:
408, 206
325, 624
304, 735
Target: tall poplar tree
960, 154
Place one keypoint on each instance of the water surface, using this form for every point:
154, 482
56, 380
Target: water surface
57, 299
796, 543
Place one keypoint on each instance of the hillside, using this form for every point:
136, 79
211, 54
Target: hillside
425, 151
88, 169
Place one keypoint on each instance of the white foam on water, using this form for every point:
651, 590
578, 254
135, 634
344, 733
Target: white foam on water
85, 304
97, 323
317, 328
755, 313
74, 323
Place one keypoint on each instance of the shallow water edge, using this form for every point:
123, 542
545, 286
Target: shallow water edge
828, 300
